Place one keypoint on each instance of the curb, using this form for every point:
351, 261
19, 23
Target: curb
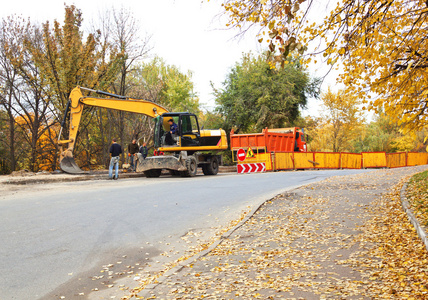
51, 178
103, 175
406, 206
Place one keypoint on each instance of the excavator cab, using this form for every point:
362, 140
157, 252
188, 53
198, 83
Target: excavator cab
187, 135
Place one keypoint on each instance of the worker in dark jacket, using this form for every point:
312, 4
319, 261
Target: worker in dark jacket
115, 150
132, 151
143, 150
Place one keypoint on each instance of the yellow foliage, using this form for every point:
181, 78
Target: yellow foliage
44, 150
341, 122
382, 45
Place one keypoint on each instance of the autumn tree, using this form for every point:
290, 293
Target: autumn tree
255, 95
166, 85
126, 36
178, 92
210, 120
378, 135
120, 28
8, 77
24, 98
33, 103
4, 165
68, 58
381, 45
39, 67
342, 120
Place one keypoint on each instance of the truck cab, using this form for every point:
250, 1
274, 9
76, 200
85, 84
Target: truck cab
300, 142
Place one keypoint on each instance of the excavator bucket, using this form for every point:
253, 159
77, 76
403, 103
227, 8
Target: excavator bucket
68, 165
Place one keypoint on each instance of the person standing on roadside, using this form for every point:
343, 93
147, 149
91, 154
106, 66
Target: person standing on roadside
132, 151
143, 150
115, 150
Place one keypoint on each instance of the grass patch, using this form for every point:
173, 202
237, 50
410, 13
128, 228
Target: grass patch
417, 194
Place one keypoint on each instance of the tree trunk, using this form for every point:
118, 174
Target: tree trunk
12, 157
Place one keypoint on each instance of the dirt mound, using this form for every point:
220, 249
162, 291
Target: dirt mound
22, 173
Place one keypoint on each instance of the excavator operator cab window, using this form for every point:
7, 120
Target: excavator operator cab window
166, 137
190, 134
165, 124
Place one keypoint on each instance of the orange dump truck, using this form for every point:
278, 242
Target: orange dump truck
259, 146
271, 140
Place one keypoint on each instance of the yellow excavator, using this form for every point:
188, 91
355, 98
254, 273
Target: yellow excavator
180, 153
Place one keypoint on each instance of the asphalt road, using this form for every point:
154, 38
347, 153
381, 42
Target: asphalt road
55, 238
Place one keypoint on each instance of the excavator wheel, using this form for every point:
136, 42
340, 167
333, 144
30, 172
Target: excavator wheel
212, 167
192, 167
153, 173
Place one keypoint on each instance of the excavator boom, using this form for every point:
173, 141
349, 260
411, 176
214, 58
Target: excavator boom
76, 103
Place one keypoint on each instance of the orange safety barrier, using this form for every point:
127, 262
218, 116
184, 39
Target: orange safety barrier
417, 159
396, 160
327, 160
373, 160
284, 160
303, 160
350, 160
334, 160
263, 158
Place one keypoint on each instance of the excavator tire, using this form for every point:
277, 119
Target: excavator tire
212, 167
192, 167
152, 173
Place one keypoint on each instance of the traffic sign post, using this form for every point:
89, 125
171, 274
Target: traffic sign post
241, 154
250, 153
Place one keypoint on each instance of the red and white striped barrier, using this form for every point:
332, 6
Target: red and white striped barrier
251, 168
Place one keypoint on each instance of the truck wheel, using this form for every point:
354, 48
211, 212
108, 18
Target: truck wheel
192, 167
212, 167
153, 173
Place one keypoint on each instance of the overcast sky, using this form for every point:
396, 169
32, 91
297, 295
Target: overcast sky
188, 34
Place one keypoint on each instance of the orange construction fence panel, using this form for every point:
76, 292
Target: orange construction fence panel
284, 160
303, 160
374, 159
264, 158
396, 160
350, 160
417, 159
327, 160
